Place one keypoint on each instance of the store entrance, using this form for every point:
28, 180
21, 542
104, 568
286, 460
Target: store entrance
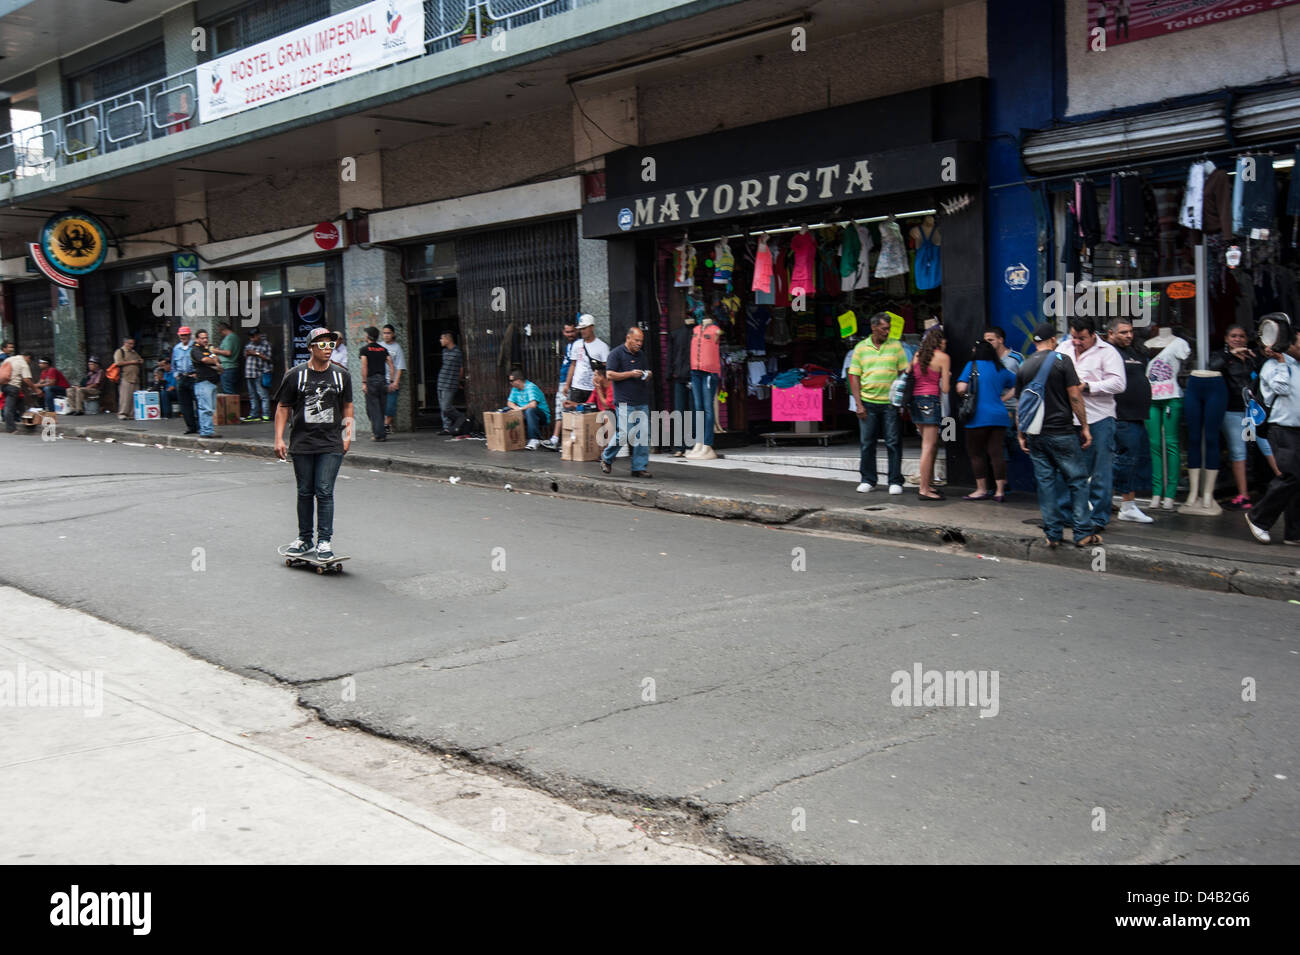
434, 306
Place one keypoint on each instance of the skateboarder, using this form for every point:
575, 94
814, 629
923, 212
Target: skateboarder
318, 396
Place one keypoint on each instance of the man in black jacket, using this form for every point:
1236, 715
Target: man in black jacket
679, 373
1132, 446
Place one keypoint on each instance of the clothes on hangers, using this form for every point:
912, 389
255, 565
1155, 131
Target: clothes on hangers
803, 277
1258, 197
762, 281
1088, 212
860, 277
1193, 195
893, 254
1216, 208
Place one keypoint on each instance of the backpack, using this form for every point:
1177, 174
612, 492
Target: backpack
1030, 405
1257, 409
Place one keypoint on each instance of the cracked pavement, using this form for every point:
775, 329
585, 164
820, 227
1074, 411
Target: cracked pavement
660, 660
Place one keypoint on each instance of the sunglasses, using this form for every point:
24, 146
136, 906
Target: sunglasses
325, 344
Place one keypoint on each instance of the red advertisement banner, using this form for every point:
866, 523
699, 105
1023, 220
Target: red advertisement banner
1126, 20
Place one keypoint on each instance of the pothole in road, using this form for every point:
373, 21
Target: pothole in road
446, 586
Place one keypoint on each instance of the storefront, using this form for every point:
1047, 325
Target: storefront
505, 294
1203, 230
848, 196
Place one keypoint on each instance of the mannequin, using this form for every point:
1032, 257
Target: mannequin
1205, 403
1169, 352
706, 375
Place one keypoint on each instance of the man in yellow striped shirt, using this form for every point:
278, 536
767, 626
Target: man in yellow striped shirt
876, 363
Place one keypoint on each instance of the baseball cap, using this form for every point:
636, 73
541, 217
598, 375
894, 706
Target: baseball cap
585, 320
322, 332
1045, 331
184, 330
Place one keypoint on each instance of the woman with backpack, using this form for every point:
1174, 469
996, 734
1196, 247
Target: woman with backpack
986, 429
1239, 366
931, 376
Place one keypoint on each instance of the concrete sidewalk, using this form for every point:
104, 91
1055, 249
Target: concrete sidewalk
161, 758
1211, 553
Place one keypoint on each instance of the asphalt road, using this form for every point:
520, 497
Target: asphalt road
746, 672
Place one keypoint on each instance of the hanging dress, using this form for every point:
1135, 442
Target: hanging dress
893, 254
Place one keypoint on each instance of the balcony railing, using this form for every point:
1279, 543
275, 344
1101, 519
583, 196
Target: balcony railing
170, 106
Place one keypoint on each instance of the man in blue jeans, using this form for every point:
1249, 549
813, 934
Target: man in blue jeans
629, 369
1100, 370
207, 372
525, 396
873, 367
317, 396
1055, 449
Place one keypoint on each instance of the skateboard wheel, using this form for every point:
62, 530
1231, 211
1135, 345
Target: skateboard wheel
288, 562
320, 570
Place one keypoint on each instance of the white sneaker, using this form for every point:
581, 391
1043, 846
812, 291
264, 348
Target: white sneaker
533, 444
552, 442
323, 550
1167, 503
1261, 535
864, 487
706, 454
895, 489
1129, 511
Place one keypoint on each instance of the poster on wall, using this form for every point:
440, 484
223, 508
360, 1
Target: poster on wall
308, 313
346, 44
1125, 20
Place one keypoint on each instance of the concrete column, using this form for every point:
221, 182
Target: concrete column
593, 281
49, 90
374, 294
69, 334
178, 39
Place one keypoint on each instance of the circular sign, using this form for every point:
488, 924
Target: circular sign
625, 219
74, 242
1017, 276
327, 235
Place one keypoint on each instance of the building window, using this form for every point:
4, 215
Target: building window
258, 21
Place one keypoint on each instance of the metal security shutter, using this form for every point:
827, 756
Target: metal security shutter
1266, 116
1116, 141
33, 324
536, 266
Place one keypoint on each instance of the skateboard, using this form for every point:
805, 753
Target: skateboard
310, 559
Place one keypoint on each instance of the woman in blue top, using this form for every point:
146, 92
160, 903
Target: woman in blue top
986, 431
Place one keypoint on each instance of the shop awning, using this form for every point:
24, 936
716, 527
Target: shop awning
1258, 118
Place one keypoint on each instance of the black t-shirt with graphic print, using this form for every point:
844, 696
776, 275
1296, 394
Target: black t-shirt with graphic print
316, 399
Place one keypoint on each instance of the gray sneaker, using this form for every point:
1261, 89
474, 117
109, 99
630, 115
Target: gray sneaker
324, 551
297, 548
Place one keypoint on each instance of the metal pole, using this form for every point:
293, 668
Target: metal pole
1202, 309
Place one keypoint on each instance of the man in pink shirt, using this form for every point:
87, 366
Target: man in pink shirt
1101, 374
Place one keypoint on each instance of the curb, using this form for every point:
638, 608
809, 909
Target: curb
1201, 573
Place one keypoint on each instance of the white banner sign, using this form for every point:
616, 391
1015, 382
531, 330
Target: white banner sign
362, 39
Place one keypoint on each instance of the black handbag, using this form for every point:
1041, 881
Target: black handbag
969, 401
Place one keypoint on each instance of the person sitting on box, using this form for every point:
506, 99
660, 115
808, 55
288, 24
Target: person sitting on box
52, 384
91, 385
528, 398
164, 382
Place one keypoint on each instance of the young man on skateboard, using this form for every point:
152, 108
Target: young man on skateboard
318, 396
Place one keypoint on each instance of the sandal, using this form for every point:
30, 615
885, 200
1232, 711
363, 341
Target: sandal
1051, 543
937, 496
1090, 541
999, 498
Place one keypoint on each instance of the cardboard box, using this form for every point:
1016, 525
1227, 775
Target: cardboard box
36, 418
227, 410
580, 434
146, 406
505, 430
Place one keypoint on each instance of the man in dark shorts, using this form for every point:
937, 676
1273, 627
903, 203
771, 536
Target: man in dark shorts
317, 395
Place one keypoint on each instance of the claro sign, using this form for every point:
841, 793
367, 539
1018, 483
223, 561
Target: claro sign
362, 39
932, 166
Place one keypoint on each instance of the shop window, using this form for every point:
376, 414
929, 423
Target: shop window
431, 262
304, 278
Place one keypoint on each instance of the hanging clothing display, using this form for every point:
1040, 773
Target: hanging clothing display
1258, 196
893, 254
1193, 195
929, 266
1131, 211
778, 330
861, 276
1293, 193
1070, 248
802, 278
1085, 198
1113, 212
781, 278
762, 268
850, 251
723, 263
684, 266
828, 267
1216, 207
756, 320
